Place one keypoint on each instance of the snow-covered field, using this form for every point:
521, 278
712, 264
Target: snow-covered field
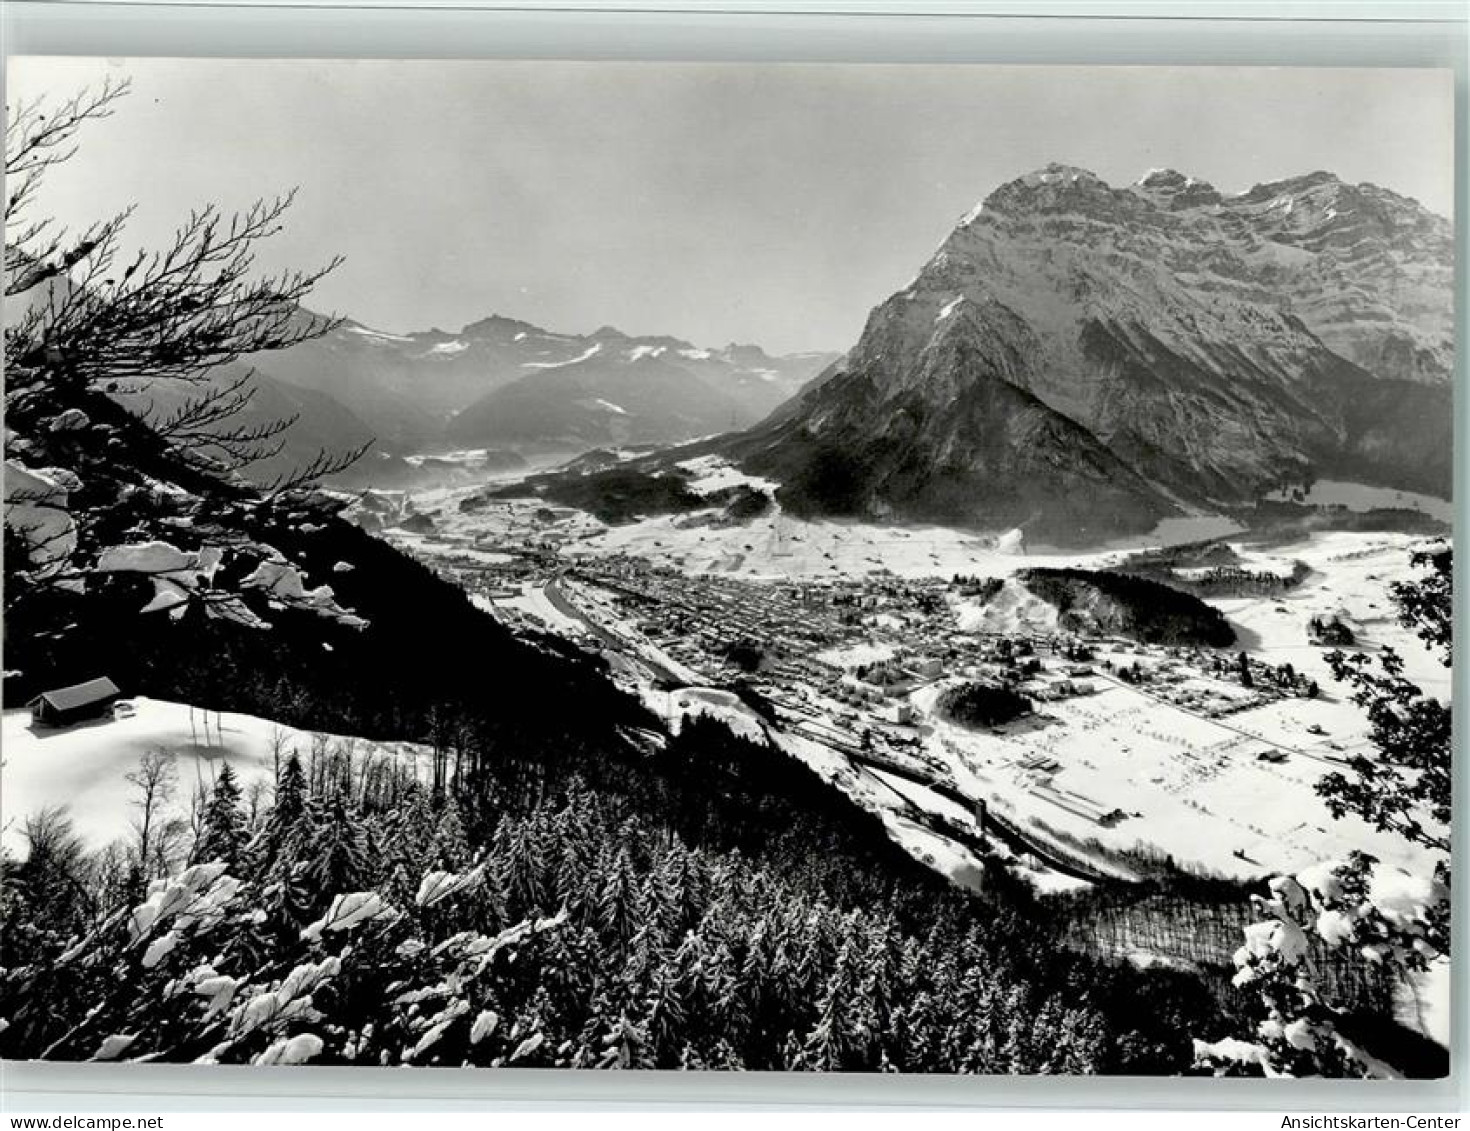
1194, 787
711, 473
1186, 786
777, 545
1352, 574
726, 706
474, 459
84, 768
534, 603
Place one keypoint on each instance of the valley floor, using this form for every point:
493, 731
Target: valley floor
1188, 766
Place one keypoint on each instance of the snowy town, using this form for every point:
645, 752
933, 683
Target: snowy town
1121, 752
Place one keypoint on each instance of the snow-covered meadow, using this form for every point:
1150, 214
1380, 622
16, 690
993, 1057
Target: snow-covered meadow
84, 768
1197, 788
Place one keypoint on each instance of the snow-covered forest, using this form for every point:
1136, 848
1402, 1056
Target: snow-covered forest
383, 925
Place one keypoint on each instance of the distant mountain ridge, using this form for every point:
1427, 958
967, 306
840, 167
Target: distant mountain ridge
505, 383
1084, 359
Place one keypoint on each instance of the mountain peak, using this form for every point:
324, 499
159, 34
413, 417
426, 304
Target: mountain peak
1052, 179
1057, 172
496, 326
1290, 186
1054, 188
1173, 190
1168, 178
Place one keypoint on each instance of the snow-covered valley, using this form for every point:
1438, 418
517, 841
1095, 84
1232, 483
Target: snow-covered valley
1120, 769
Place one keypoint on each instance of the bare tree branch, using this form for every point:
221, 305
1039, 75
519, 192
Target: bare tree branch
323, 464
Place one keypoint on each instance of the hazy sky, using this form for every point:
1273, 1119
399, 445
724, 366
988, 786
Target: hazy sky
768, 203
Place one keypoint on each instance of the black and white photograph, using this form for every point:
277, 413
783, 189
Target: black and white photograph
718, 566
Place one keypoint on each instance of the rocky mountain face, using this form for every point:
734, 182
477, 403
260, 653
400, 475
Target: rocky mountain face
501, 382
1083, 359
1373, 275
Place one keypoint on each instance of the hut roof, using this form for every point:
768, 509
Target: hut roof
79, 694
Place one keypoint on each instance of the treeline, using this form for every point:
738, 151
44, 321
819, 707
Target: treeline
1282, 678
1220, 570
1236, 581
983, 588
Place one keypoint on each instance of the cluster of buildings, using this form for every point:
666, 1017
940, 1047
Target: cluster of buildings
841, 661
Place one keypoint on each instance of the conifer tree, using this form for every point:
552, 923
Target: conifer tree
625, 1045
621, 908
337, 858
283, 824
287, 900
520, 868
1077, 1044
570, 879
222, 834
451, 847
663, 1018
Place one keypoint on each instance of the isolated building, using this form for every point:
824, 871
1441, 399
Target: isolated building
896, 713
67, 705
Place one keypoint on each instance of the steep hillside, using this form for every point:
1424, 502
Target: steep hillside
1368, 270
960, 444
320, 421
